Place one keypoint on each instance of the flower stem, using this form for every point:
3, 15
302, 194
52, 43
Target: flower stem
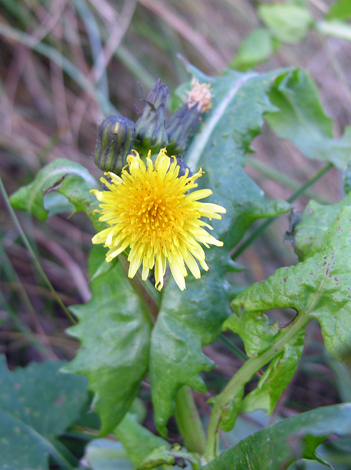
189, 422
145, 290
244, 374
267, 223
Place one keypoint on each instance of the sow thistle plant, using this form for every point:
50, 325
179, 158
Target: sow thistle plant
143, 320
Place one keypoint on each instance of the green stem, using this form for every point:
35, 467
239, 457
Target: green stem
282, 178
244, 374
268, 222
189, 422
233, 348
31, 252
145, 290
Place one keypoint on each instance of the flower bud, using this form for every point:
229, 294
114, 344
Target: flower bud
179, 128
183, 123
115, 140
182, 168
150, 127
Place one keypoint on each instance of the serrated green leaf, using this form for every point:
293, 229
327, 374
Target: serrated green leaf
138, 441
301, 120
257, 47
114, 329
37, 404
255, 330
276, 378
280, 444
287, 22
315, 220
192, 318
340, 10
319, 288
67, 178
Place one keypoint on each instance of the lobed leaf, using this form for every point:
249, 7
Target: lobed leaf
278, 445
316, 219
138, 441
37, 404
276, 378
301, 119
192, 318
317, 288
114, 329
68, 178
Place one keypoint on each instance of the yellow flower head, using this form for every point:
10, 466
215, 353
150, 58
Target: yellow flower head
148, 209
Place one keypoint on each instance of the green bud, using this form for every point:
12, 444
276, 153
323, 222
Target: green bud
179, 128
150, 127
115, 141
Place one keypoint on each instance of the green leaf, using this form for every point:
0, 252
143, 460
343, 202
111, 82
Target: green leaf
301, 119
255, 330
192, 318
277, 446
114, 329
276, 378
287, 22
259, 335
316, 219
340, 10
138, 441
67, 178
165, 456
318, 288
37, 404
257, 47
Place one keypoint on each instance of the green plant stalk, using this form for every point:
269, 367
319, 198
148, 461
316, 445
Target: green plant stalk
251, 367
282, 178
145, 290
268, 222
187, 415
233, 348
31, 252
189, 422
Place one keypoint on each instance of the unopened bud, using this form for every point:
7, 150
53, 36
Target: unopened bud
183, 168
150, 127
115, 141
183, 123
179, 128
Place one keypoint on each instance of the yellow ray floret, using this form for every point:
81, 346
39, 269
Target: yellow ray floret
149, 211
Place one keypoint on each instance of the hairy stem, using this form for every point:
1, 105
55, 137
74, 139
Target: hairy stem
244, 374
189, 422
